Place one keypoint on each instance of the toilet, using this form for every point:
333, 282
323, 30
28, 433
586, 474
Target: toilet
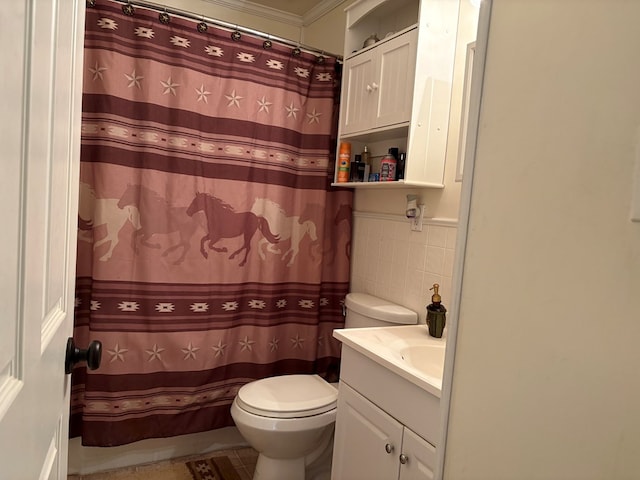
289, 419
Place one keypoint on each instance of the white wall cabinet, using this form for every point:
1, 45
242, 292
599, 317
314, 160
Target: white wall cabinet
397, 92
370, 444
378, 85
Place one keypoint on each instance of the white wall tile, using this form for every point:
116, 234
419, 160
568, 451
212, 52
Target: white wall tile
413, 284
452, 234
437, 236
435, 260
393, 262
449, 257
417, 255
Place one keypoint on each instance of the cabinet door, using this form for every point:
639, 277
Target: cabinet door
420, 457
367, 440
394, 79
358, 96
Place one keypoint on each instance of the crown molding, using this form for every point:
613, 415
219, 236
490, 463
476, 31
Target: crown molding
260, 11
246, 6
320, 10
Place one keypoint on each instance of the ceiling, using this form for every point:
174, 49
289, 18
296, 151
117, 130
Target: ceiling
294, 7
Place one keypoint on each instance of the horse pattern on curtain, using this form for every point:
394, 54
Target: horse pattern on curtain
212, 250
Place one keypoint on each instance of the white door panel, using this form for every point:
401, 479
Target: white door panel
42, 86
421, 458
359, 98
367, 440
397, 66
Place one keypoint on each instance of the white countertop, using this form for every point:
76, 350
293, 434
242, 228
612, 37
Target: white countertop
408, 351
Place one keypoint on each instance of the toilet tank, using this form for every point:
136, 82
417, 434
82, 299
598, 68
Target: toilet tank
365, 310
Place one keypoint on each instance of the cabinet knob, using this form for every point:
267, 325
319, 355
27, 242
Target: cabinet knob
375, 85
404, 459
388, 448
369, 89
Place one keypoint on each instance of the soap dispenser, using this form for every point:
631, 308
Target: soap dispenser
436, 313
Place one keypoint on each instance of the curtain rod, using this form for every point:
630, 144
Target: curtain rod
220, 23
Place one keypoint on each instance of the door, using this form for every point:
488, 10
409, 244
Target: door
40, 129
359, 96
396, 74
367, 440
419, 458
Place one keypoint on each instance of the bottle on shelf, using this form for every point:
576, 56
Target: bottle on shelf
402, 158
388, 166
366, 156
356, 173
366, 160
344, 160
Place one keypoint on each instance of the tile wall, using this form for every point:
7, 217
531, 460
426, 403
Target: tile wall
392, 262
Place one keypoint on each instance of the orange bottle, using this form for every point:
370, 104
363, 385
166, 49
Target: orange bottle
344, 160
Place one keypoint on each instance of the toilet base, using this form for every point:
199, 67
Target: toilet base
320, 468
316, 466
279, 468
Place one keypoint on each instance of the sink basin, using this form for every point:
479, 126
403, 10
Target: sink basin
428, 359
406, 350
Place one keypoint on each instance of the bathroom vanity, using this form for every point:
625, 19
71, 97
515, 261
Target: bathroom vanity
388, 418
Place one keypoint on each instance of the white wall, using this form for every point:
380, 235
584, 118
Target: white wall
279, 26
546, 384
327, 32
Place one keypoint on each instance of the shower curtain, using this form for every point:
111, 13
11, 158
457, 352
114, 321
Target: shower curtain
212, 250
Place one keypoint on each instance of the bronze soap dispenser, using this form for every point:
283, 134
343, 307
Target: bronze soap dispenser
436, 313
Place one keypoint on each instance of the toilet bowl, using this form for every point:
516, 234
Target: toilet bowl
290, 419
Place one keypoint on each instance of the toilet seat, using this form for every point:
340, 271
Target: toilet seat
288, 396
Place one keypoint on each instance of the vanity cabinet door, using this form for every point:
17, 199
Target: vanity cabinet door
358, 97
419, 457
367, 440
396, 68
378, 85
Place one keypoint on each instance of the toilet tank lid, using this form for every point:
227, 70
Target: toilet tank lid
380, 309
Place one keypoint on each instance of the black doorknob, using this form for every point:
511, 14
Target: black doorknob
91, 355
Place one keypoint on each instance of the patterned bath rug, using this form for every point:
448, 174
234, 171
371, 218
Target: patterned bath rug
214, 468
218, 467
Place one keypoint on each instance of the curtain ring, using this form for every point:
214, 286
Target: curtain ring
296, 52
202, 26
128, 9
267, 44
164, 17
236, 35
91, 3
320, 59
